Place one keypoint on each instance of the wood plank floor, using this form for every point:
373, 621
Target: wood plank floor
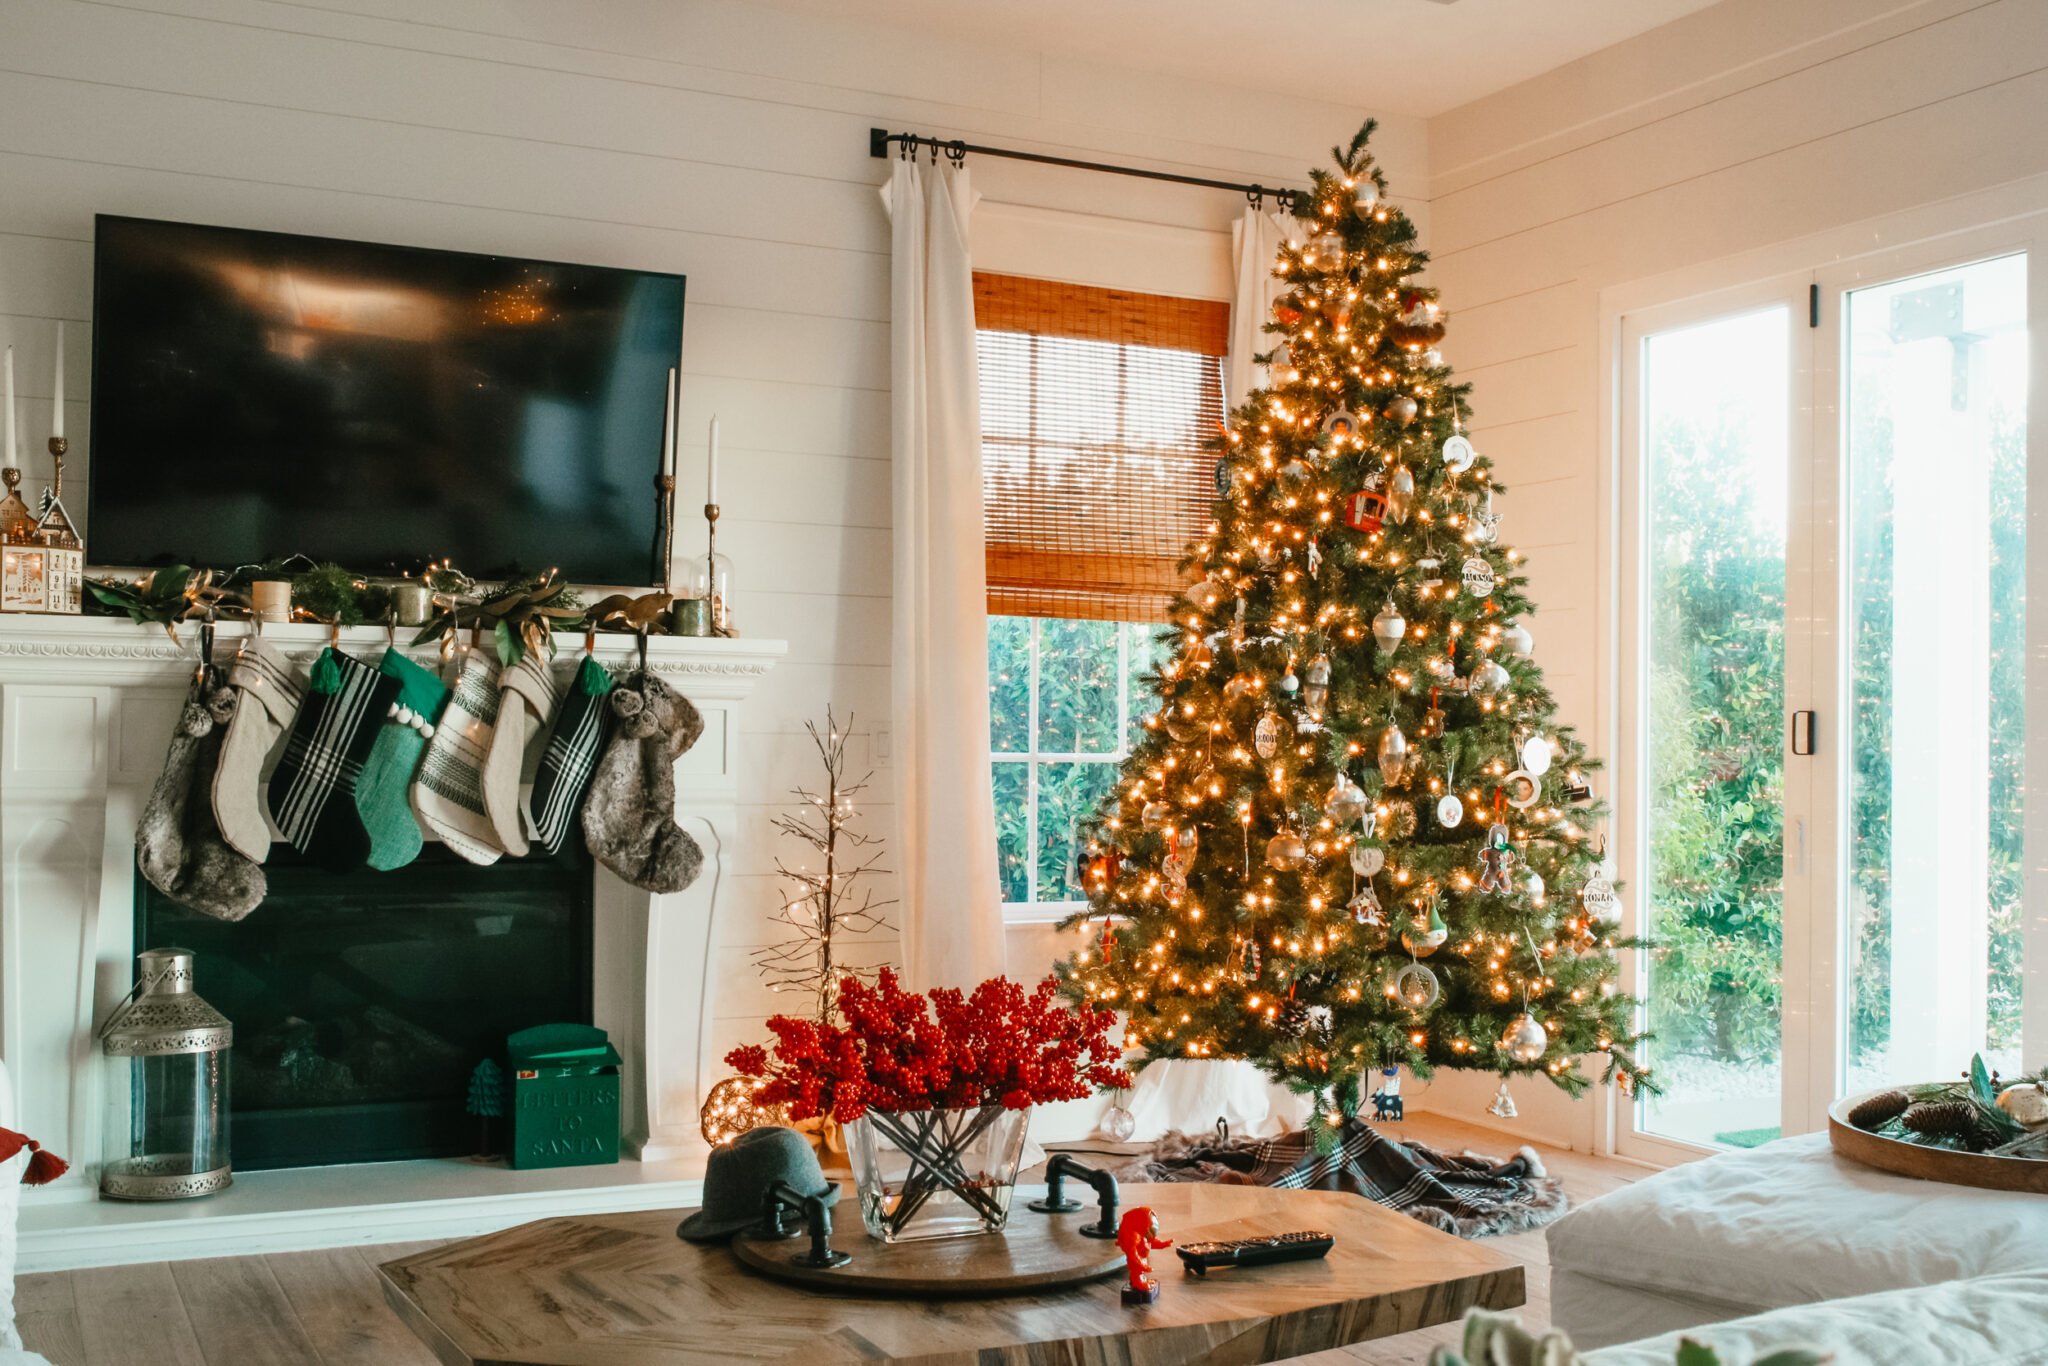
325, 1308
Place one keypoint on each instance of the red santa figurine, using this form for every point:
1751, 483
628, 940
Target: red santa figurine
1138, 1237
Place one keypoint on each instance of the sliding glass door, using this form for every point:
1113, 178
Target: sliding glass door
1824, 759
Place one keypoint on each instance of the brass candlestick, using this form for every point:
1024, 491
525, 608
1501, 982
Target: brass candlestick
58, 445
721, 609
665, 526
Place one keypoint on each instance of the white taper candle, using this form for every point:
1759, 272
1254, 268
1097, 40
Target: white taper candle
669, 415
711, 466
10, 408
57, 403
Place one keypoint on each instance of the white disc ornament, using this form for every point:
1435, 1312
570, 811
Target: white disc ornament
1367, 859
1477, 577
1536, 755
1266, 735
1458, 454
1389, 628
1450, 812
1599, 898
1285, 852
1417, 987
1526, 1040
1518, 639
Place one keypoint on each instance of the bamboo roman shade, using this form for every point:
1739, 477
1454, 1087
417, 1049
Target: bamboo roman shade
1096, 407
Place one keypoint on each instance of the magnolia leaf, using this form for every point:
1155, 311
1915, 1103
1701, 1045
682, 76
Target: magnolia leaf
509, 646
1691, 1353
1795, 1356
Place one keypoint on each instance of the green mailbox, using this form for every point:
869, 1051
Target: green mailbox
565, 1096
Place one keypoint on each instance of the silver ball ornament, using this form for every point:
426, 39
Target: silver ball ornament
1526, 1040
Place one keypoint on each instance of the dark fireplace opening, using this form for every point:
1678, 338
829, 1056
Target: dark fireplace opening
362, 1000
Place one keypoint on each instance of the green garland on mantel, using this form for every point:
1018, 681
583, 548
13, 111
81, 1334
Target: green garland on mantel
519, 614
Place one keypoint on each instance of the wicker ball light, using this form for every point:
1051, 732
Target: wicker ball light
730, 1111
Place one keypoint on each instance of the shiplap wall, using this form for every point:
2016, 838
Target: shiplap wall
1745, 125
726, 141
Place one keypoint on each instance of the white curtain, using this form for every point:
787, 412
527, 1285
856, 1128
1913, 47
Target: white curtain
951, 912
1254, 242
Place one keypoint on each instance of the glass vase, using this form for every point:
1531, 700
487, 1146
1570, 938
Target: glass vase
936, 1173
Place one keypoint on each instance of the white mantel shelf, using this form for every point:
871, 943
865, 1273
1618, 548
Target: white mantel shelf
86, 710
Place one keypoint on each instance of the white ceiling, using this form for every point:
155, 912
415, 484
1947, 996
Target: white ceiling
1412, 57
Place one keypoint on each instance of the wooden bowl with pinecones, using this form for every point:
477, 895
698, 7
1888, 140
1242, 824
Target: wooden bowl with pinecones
1968, 1133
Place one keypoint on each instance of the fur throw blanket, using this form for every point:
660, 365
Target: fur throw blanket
1465, 1194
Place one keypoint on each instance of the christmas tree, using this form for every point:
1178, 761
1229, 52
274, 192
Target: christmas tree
1355, 834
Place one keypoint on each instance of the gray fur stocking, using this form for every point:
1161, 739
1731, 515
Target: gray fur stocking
178, 845
629, 817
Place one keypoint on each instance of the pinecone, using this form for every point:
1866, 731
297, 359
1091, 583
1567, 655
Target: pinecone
1943, 1119
1867, 1114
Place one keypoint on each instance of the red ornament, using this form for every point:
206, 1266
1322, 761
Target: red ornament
1288, 314
1365, 510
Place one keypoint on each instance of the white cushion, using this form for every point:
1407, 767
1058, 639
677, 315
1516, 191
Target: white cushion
1790, 1223
1991, 1321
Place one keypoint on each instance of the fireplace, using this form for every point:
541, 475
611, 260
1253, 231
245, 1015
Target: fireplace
87, 705
362, 1000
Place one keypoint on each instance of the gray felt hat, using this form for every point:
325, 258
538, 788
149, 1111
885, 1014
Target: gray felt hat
739, 1174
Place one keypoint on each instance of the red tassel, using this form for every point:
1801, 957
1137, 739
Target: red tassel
44, 1167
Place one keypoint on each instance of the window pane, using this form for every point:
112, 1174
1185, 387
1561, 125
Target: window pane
1077, 687
1715, 415
1068, 794
1937, 414
1009, 684
1013, 834
1146, 655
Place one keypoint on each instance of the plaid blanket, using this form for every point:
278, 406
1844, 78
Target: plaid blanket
1465, 1194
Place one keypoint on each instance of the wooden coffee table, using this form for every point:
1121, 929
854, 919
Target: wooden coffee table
622, 1288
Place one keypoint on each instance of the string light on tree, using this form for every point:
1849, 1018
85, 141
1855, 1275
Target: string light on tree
1352, 647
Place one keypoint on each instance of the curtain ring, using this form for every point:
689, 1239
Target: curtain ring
1256, 197
956, 152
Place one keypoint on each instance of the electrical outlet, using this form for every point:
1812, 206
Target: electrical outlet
882, 753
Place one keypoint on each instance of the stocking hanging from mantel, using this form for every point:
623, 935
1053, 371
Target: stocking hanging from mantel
629, 817
178, 844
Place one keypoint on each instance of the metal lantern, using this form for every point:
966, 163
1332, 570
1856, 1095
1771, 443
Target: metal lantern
166, 1132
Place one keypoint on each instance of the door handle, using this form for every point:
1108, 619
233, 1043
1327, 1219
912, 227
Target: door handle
1803, 724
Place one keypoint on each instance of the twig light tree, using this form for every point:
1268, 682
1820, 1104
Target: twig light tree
835, 899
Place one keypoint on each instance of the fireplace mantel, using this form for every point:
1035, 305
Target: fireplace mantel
86, 709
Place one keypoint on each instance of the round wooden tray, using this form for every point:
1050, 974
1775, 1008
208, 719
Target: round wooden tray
1033, 1252
2028, 1174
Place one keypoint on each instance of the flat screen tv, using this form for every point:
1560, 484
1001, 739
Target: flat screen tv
260, 394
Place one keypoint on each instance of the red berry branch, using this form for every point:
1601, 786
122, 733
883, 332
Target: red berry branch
899, 1051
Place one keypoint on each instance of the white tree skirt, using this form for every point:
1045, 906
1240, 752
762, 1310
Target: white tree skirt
1188, 1096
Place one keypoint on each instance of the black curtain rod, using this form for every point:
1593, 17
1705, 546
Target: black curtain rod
956, 151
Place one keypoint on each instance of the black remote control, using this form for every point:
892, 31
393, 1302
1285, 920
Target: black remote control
1304, 1246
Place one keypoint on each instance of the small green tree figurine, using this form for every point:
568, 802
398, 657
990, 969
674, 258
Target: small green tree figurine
486, 1099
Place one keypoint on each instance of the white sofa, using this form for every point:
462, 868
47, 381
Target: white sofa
1987, 1321
1788, 1224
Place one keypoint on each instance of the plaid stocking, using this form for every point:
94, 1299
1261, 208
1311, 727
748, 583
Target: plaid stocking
383, 794
312, 790
448, 794
582, 724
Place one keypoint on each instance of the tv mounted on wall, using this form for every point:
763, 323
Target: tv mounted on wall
262, 394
